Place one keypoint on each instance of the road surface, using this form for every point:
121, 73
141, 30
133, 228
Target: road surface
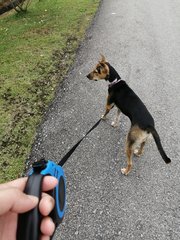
141, 39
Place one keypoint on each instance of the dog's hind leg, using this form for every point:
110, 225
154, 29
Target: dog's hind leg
117, 119
139, 152
130, 144
142, 137
136, 137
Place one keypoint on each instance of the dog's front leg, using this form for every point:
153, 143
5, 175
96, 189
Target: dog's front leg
109, 106
117, 119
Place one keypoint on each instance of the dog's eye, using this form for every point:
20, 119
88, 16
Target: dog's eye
98, 69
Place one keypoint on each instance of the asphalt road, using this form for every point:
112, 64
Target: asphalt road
141, 39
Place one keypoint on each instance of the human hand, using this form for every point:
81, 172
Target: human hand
13, 201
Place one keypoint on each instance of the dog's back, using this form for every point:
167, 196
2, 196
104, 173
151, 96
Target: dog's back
131, 105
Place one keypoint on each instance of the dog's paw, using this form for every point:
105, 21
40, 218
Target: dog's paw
114, 124
137, 153
124, 171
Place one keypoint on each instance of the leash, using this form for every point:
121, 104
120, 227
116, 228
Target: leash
65, 158
29, 223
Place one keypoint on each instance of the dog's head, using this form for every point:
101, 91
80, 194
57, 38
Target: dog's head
101, 71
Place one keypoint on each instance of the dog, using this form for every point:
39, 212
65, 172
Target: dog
127, 102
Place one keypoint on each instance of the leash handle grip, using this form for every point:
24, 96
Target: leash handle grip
29, 223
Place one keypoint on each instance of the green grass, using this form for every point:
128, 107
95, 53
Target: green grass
36, 51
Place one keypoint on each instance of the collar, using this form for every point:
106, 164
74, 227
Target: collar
114, 82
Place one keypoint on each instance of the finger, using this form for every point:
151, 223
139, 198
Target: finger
15, 200
46, 204
44, 238
47, 226
49, 183
19, 183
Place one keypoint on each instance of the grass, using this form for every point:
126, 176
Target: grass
36, 51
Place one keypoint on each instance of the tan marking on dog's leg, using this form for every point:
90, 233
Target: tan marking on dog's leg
129, 152
117, 119
109, 106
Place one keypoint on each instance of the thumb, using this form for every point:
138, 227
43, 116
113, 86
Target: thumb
14, 200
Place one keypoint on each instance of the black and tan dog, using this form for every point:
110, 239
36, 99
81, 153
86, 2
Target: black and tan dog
127, 102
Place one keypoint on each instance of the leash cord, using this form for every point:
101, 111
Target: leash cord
68, 154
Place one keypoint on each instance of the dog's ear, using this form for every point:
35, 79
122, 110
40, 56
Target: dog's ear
103, 59
102, 64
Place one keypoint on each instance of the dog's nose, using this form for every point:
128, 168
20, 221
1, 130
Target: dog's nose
88, 76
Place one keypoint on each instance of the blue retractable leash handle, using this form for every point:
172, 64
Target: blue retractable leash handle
29, 223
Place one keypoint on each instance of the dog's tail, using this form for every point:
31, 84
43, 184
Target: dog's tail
157, 140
